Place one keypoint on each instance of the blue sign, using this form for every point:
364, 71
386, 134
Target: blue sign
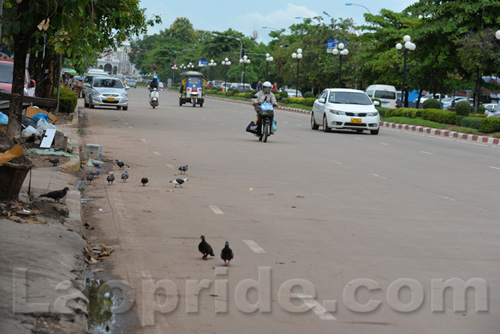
332, 43
202, 62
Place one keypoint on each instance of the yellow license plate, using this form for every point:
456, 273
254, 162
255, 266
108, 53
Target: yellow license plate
110, 99
356, 120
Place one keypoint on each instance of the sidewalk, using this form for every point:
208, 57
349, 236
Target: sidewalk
42, 262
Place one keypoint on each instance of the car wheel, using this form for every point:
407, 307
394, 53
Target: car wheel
314, 126
325, 125
118, 107
91, 106
374, 132
125, 108
85, 104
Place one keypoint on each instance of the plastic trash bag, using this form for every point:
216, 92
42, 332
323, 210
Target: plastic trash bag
4, 119
30, 131
42, 125
40, 115
252, 127
274, 127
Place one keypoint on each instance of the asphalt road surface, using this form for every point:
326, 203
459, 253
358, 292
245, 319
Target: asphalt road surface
332, 232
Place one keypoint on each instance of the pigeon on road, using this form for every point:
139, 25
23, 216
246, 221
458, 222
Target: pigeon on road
121, 164
125, 176
54, 161
179, 182
97, 172
226, 254
144, 180
183, 169
90, 178
56, 195
205, 248
110, 178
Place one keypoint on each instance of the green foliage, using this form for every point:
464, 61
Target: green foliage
274, 91
458, 119
230, 92
404, 112
440, 116
248, 95
382, 111
308, 94
304, 101
67, 99
416, 121
431, 104
466, 130
471, 122
284, 94
491, 124
462, 108
481, 109
496, 135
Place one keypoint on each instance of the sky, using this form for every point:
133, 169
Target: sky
247, 16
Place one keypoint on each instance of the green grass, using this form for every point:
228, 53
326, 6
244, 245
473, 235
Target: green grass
496, 135
416, 121
467, 130
291, 105
295, 105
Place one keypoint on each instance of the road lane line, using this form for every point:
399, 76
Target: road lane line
170, 166
143, 140
317, 308
494, 167
358, 138
254, 247
157, 153
338, 163
382, 177
448, 198
384, 144
216, 210
425, 152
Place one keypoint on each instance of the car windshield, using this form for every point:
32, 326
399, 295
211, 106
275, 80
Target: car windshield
194, 81
108, 83
6, 72
349, 98
382, 94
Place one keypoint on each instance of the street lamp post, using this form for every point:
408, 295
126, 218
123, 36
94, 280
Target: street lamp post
355, 4
212, 64
269, 59
497, 34
342, 52
411, 47
244, 61
174, 68
241, 43
226, 63
190, 65
297, 56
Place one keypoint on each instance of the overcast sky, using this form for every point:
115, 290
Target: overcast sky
247, 16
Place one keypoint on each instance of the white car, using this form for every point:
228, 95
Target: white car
107, 92
495, 112
342, 108
489, 107
452, 101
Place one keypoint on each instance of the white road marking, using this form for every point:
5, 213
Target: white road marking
384, 144
216, 210
338, 163
358, 138
494, 167
170, 166
425, 152
254, 247
130, 127
125, 123
382, 177
157, 153
448, 198
143, 140
317, 308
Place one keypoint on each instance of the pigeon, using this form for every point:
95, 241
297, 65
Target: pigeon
56, 195
205, 248
179, 182
183, 169
54, 161
125, 176
226, 254
110, 178
97, 172
90, 178
121, 164
144, 180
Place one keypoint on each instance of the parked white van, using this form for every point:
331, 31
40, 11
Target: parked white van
385, 93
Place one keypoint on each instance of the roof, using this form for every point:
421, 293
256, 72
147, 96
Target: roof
192, 73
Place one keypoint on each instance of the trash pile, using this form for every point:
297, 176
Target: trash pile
97, 253
21, 213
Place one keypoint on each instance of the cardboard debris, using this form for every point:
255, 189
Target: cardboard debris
13, 153
48, 137
92, 151
32, 111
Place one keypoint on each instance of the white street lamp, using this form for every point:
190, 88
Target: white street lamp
269, 59
409, 46
244, 61
297, 56
226, 63
341, 51
212, 64
497, 34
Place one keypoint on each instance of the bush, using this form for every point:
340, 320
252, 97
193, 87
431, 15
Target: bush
481, 110
382, 111
462, 108
229, 92
284, 94
241, 94
249, 95
470, 122
404, 112
488, 125
274, 91
440, 116
458, 119
304, 101
431, 104
308, 94
67, 99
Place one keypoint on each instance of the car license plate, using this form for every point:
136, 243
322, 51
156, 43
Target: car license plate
385, 102
356, 120
110, 99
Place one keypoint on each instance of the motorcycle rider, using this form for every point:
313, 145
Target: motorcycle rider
154, 83
264, 95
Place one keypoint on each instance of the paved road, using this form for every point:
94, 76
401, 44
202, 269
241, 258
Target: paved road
371, 222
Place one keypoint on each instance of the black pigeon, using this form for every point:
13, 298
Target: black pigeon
56, 195
125, 176
90, 178
54, 161
205, 248
226, 254
179, 182
183, 169
144, 180
97, 172
110, 178
121, 164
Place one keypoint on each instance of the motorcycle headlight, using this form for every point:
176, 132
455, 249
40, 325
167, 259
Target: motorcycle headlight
373, 113
336, 112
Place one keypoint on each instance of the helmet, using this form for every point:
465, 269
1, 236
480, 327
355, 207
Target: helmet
267, 84
155, 77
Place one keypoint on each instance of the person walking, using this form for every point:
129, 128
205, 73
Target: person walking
259, 86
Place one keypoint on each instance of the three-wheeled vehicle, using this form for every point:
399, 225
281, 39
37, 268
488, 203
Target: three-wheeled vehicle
192, 88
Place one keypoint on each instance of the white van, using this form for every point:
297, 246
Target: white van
385, 93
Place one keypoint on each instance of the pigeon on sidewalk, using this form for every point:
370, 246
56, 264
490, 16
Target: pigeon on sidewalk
125, 176
54, 161
144, 180
226, 254
56, 195
121, 164
110, 178
205, 248
179, 182
183, 169
90, 178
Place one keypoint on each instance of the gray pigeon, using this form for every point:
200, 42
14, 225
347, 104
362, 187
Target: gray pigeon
183, 169
144, 180
56, 195
125, 176
97, 172
205, 248
121, 164
110, 178
226, 254
179, 182
90, 178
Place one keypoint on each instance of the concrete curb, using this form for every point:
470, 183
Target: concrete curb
73, 165
300, 111
442, 133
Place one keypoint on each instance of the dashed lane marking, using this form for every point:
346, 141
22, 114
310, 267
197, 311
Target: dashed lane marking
338, 163
170, 166
384, 144
448, 198
425, 152
157, 153
254, 247
216, 210
494, 167
382, 177
143, 140
317, 308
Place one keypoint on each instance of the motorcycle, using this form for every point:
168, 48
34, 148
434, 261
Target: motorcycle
154, 98
266, 113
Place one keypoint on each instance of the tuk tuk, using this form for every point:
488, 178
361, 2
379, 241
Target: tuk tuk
192, 88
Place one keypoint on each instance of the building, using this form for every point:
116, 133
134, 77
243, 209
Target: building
117, 62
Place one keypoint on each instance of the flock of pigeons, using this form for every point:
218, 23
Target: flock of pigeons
205, 249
